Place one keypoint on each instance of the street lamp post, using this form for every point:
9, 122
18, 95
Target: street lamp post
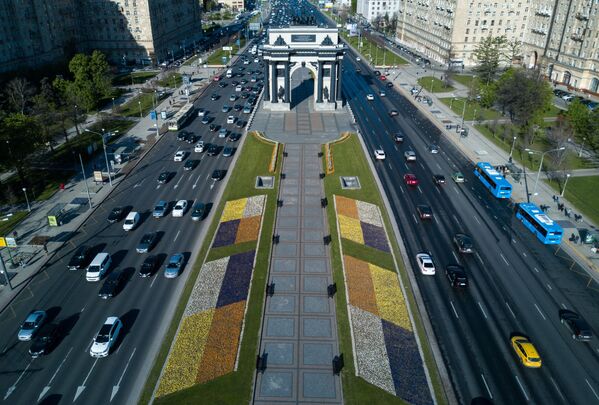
113, 105
565, 184
464, 111
4, 272
512, 149
89, 198
581, 147
105, 154
139, 104
531, 152
27, 199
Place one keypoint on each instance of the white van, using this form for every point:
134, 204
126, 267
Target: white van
131, 221
98, 267
229, 73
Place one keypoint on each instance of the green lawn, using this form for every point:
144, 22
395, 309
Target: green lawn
138, 106
233, 388
349, 159
132, 78
7, 226
434, 85
216, 57
473, 109
173, 80
582, 192
463, 79
552, 112
374, 53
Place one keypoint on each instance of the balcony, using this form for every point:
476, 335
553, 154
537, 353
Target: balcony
543, 13
539, 31
582, 17
576, 37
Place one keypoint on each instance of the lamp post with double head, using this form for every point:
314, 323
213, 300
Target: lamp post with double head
27, 199
537, 152
512, 149
565, 184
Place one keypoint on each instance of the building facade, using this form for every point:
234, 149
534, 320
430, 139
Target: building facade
370, 9
234, 5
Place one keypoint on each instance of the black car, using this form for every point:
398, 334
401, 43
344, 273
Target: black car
245, 95
463, 243
148, 267
44, 340
424, 211
389, 84
377, 73
214, 97
213, 127
81, 259
234, 82
456, 275
164, 177
222, 84
233, 137
113, 285
182, 135
190, 164
116, 214
239, 124
238, 107
218, 175
398, 138
212, 150
578, 327
438, 179
199, 211
191, 138
205, 120
147, 242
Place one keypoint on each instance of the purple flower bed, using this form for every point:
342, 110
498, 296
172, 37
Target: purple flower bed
374, 236
406, 365
237, 278
226, 234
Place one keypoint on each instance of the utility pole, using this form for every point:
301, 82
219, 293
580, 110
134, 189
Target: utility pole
89, 198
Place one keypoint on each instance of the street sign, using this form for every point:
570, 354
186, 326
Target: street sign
227, 48
254, 26
186, 79
153, 115
10, 242
98, 176
2, 241
163, 115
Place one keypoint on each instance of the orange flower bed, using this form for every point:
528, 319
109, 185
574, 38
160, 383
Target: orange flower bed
346, 206
359, 285
248, 230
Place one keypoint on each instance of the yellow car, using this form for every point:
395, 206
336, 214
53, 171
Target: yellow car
526, 351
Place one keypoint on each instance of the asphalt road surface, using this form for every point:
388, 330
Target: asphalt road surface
69, 374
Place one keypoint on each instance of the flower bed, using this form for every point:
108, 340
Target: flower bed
386, 351
361, 222
240, 221
208, 340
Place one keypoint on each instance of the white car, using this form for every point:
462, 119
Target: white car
199, 148
238, 88
433, 148
379, 154
106, 337
358, 59
425, 263
179, 156
180, 208
231, 119
256, 60
201, 112
382, 93
131, 221
410, 155
370, 97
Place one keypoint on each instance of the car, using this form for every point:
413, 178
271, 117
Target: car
31, 325
45, 340
198, 212
160, 209
458, 177
222, 84
389, 84
526, 351
424, 211
383, 77
174, 266
212, 150
231, 119
164, 177
147, 242
131, 221
179, 156
247, 109
148, 266
226, 108
199, 148
379, 154
410, 155
382, 93
112, 285
393, 113
567, 96
213, 127
191, 138
463, 243
190, 164
438, 179
232, 97
222, 133
376, 73
233, 137
227, 152
238, 88
116, 214
410, 179
234, 82
180, 208
358, 59
370, 97
216, 78
218, 175
425, 264
182, 135
398, 137
253, 79
578, 327
456, 275
214, 96
81, 258
245, 95
206, 120
237, 107
433, 148
243, 82
106, 337
239, 124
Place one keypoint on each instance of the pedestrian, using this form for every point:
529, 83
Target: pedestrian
15, 234
553, 197
577, 238
45, 247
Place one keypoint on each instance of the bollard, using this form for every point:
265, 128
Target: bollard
327, 239
331, 290
338, 364
270, 289
324, 202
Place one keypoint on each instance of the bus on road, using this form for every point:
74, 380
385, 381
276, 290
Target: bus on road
545, 229
493, 180
180, 117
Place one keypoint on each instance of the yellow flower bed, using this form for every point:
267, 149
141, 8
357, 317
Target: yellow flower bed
389, 298
350, 229
233, 210
273, 158
183, 362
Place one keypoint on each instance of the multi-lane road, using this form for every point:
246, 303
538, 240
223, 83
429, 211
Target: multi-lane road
145, 305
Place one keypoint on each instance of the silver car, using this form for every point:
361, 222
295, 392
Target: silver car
174, 266
31, 325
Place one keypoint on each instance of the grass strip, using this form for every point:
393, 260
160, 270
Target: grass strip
132, 78
434, 85
582, 192
8, 223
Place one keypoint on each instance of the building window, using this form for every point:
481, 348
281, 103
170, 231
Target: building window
466, 39
467, 30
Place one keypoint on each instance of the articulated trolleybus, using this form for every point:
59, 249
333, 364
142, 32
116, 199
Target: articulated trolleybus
547, 230
179, 119
493, 180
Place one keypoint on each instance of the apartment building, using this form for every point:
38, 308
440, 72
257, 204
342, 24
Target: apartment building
563, 40
234, 5
370, 9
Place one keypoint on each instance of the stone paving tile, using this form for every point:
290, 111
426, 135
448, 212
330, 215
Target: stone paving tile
284, 283
284, 265
316, 327
312, 211
312, 222
280, 327
310, 235
288, 222
318, 385
291, 201
288, 235
288, 210
316, 304
276, 384
282, 304
286, 249
320, 354
311, 201
312, 190
315, 284
280, 353
315, 266
314, 249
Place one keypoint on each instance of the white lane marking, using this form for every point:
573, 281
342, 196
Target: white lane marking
486, 386
415, 220
455, 256
455, 218
511, 312
454, 311
522, 388
482, 310
196, 182
476, 219
116, 387
138, 184
395, 146
207, 176
438, 190
494, 216
419, 189
539, 309
514, 241
438, 167
179, 181
592, 389
154, 280
83, 309
557, 388
535, 269
436, 220
47, 387
14, 386
421, 165
504, 259
177, 235
456, 190
82, 386
402, 191
524, 254
389, 164
564, 306
549, 287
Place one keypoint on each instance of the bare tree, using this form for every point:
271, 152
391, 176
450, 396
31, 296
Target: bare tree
19, 92
513, 51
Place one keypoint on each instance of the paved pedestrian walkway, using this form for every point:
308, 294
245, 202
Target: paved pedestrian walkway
299, 333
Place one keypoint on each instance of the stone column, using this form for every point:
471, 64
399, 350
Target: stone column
339, 90
319, 89
273, 95
267, 81
332, 93
287, 90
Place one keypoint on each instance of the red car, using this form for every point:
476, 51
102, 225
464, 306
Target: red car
216, 78
410, 179
383, 77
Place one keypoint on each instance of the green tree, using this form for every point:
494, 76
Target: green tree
488, 94
513, 51
100, 73
488, 54
580, 119
19, 133
45, 109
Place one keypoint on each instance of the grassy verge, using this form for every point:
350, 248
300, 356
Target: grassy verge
173, 80
378, 55
349, 160
463, 79
233, 388
474, 110
582, 192
7, 224
434, 85
216, 57
143, 103
132, 78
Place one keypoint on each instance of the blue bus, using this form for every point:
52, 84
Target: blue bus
546, 230
493, 180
